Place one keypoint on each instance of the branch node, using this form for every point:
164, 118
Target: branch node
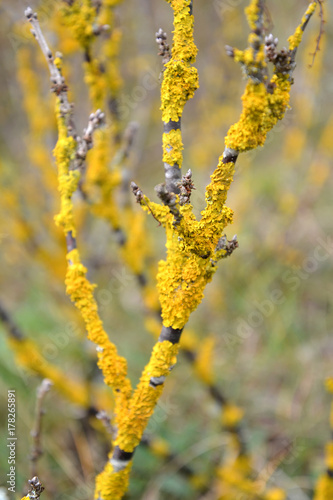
185, 188
170, 200
164, 49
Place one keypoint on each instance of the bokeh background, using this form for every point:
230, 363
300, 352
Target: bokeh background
268, 311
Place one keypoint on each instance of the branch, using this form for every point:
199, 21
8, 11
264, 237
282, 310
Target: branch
170, 200
58, 81
35, 489
83, 145
179, 84
321, 31
11, 326
164, 49
78, 287
37, 450
106, 420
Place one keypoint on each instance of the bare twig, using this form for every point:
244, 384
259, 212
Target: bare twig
36, 488
164, 49
228, 245
321, 32
185, 187
106, 420
139, 196
12, 328
36, 432
86, 142
58, 81
137, 192
128, 139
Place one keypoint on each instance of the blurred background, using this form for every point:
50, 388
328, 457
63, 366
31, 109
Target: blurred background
266, 319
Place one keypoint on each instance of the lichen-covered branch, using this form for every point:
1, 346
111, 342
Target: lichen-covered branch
180, 80
80, 290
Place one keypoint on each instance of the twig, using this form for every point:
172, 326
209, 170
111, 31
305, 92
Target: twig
170, 200
139, 196
7, 320
128, 139
186, 187
164, 49
60, 88
36, 488
83, 145
37, 450
228, 245
321, 32
58, 81
106, 420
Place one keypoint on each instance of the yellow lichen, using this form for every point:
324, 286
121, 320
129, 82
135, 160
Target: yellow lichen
295, 39
180, 80
67, 180
111, 485
96, 83
252, 13
113, 366
79, 16
172, 148
133, 422
261, 111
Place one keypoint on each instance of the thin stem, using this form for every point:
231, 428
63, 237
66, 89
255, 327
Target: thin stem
36, 432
